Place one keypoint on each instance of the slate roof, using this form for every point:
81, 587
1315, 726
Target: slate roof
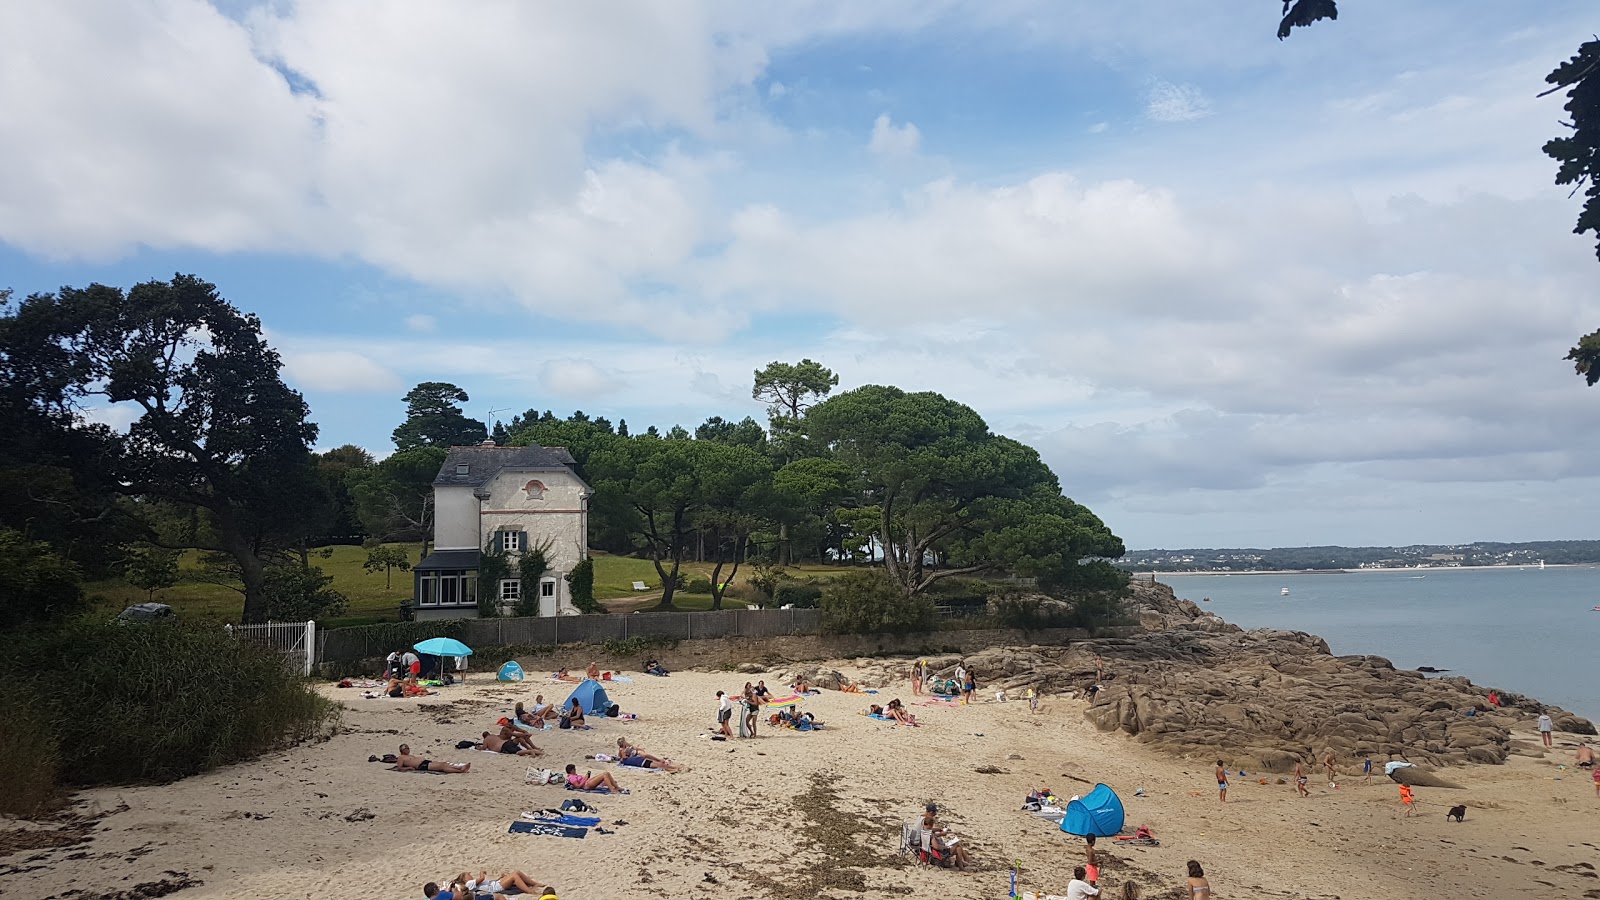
483, 463
449, 560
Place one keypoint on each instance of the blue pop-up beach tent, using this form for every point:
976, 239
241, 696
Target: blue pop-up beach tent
1098, 813
591, 697
511, 671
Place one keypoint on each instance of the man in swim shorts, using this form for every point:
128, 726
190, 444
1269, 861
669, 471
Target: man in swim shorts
405, 762
1222, 782
1585, 757
497, 744
1300, 779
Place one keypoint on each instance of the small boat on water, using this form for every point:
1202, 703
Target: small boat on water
1284, 592
1208, 600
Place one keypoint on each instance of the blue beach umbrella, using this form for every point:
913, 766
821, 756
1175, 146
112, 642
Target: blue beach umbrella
442, 647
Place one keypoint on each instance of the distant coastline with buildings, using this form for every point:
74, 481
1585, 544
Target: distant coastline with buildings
1482, 554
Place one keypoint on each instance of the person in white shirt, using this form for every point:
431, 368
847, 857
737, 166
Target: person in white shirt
1078, 888
724, 713
1546, 726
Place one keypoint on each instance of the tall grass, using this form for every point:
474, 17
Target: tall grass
156, 703
28, 780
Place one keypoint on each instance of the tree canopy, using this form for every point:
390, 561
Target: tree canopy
434, 418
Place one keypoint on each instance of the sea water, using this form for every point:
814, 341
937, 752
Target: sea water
1528, 630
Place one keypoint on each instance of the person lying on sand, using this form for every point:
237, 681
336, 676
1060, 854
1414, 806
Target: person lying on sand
508, 882
874, 710
898, 713
563, 675
432, 891
405, 762
405, 688
629, 755
588, 781
1585, 757
496, 744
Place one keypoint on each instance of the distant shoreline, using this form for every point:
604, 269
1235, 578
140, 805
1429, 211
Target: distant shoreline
1419, 569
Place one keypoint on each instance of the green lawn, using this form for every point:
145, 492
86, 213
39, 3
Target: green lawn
371, 602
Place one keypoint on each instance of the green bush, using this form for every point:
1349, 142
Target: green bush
36, 582
636, 646
1089, 609
296, 593
581, 579
801, 594
867, 602
698, 586
28, 780
132, 703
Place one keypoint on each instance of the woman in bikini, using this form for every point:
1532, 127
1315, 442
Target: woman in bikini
899, 714
574, 715
590, 781
1199, 887
629, 755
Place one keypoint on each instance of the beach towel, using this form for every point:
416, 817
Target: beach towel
548, 828
790, 700
563, 819
938, 703
597, 790
409, 771
880, 718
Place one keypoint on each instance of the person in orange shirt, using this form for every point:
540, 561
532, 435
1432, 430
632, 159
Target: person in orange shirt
1407, 800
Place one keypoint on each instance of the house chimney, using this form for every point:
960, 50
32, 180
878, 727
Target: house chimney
488, 442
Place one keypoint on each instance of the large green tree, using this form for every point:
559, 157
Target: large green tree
216, 429
434, 418
394, 498
952, 497
663, 490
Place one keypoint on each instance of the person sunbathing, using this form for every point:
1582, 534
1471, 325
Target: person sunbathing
874, 710
513, 882
562, 675
629, 755
405, 688
574, 715
593, 671
898, 712
405, 762
1585, 757
523, 717
495, 744
545, 711
589, 781
801, 686
513, 734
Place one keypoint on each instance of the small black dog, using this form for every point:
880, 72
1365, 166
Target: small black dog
1459, 813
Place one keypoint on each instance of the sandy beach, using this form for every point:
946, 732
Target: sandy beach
792, 814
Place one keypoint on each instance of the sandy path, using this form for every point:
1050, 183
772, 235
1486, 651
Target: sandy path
795, 815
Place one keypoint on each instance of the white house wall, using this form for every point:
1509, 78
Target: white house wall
557, 515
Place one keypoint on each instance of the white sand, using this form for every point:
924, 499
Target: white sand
735, 816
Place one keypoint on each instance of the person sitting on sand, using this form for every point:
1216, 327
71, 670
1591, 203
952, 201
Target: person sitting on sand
629, 755
1199, 887
497, 744
651, 667
761, 690
801, 686
405, 762
1585, 757
589, 781
941, 839
510, 732
573, 715
1081, 886
530, 719
593, 671
543, 710
898, 713
563, 675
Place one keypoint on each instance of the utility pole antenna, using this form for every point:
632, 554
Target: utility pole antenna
492, 411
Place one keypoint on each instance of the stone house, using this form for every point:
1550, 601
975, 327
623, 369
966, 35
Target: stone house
504, 501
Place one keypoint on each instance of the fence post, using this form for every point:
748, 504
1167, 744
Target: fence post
311, 645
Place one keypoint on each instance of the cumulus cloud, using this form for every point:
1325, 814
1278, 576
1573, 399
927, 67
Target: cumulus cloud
338, 371
422, 323
1168, 102
577, 380
893, 141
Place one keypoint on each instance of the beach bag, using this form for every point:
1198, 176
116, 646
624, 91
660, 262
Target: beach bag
542, 776
566, 722
613, 711
574, 805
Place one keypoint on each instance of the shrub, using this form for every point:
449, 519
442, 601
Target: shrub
698, 586
802, 594
137, 703
36, 582
867, 602
636, 646
581, 580
1090, 609
766, 579
296, 593
28, 781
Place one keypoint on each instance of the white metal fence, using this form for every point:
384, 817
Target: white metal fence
297, 641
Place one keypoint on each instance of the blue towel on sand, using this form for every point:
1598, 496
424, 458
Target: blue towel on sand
548, 828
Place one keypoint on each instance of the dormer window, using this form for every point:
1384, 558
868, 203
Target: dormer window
534, 490
463, 469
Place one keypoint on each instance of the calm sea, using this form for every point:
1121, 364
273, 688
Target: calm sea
1526, 630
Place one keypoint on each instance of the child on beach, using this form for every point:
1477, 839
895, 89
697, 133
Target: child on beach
1407, 800
1222, 782
1366, 769
1300, 779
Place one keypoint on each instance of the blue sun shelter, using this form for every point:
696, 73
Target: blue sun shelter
511, 671
1098, 813
591, 698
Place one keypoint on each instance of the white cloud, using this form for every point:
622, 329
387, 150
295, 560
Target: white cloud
893, 141
1168, 102
340, 371
1099, 127
422, 323
578, 380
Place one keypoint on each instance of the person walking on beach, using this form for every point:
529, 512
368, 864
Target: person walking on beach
969, 689
1300, 778
1222, 782
1546, 727
961, 677
916, 679
1408, 801
1328, 764
1366, 769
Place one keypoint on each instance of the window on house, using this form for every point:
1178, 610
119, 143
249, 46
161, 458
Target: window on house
428, 590
510, 590
463, 469
458, 588
534, 489
547, 587
511, 541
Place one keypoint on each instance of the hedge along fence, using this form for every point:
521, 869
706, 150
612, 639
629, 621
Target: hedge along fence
349, 645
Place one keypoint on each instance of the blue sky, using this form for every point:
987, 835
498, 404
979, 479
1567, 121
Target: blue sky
1236, 291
